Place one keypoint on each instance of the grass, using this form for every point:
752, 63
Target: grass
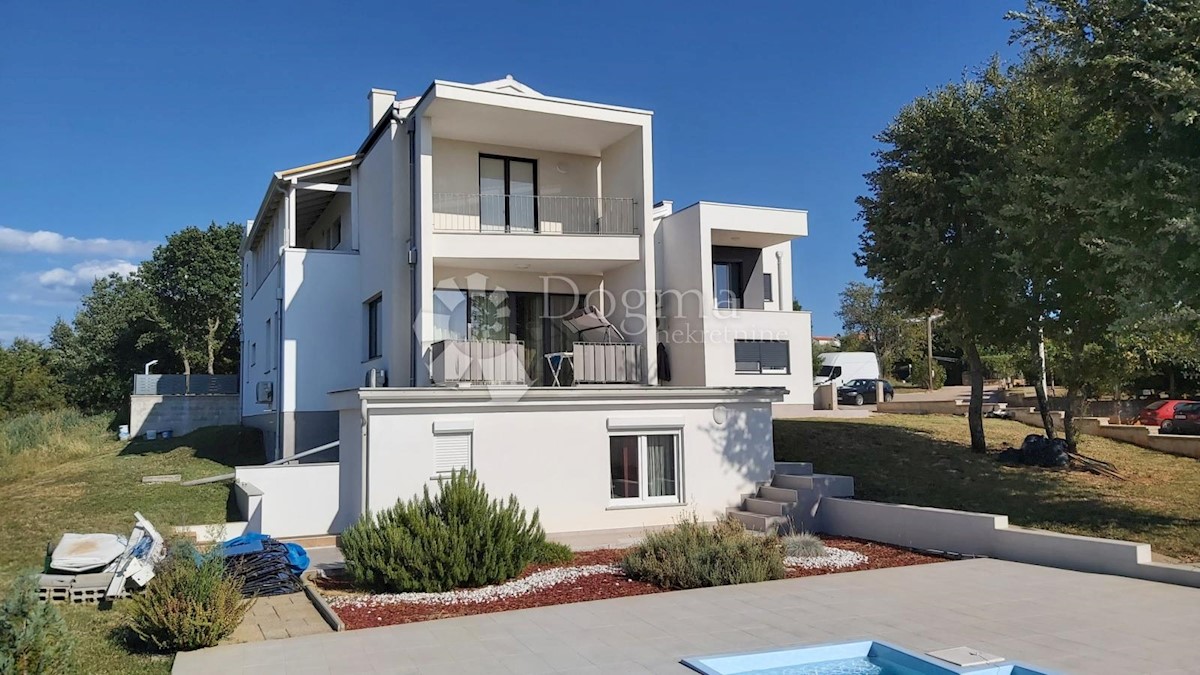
926, 460
68, 473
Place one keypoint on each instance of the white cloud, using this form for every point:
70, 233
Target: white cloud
81, 276
24, 241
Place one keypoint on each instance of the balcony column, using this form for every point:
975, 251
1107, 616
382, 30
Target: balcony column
423, 240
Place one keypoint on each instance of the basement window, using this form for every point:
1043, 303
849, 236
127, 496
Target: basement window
644, 469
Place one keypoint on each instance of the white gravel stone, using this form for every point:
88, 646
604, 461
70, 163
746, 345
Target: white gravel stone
834, 558
537, 581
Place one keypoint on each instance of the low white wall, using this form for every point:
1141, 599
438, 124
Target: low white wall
990, 535
551, 448
291, 500
1145, 437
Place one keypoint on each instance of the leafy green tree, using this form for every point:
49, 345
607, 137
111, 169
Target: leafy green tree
26, 381
115, 332
884, 326
1135, 66
195, 280
926, 233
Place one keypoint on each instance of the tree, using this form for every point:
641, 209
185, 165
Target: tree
195, 280
925, 231
796, 306
884, 327
26, 381
1135, 66
116, 331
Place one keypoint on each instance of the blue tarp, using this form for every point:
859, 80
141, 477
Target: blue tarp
252, 542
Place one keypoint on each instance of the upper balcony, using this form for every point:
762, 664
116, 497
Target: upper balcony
507, 160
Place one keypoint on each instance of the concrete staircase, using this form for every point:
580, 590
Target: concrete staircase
788, 502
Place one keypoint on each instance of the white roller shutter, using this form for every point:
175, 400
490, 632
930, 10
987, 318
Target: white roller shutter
451, 452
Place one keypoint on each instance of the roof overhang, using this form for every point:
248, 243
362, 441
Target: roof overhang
331, 170
750, 226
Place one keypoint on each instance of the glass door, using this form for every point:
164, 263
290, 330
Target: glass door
727, 284
507, 194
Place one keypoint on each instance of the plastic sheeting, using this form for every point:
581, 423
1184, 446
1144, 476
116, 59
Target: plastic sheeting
266, 566
83, 552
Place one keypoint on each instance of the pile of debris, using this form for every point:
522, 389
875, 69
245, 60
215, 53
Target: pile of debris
266, 566
1038, 450
87, 568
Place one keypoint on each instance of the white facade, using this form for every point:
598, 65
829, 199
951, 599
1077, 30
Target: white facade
471, 222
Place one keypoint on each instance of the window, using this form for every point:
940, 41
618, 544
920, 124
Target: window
644, 469
769, 357
374, 327
253, 353
507, 194
451, 452
333, 236
269, 361
727, 284
768, 287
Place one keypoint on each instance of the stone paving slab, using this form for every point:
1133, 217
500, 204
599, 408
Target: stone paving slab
278, 617
1066, 621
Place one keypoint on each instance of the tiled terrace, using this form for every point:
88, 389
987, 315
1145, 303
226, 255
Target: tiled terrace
1061, 620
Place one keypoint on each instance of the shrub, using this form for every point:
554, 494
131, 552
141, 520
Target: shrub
920, 375
553, 553
33, 636
459, 538
692, 555
190, 603
803, 545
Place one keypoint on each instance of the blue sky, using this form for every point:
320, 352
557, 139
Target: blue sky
123, 122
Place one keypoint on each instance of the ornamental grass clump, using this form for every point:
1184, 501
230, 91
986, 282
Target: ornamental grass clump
192, 602
803, 545
33, 636
694, 555
458, 538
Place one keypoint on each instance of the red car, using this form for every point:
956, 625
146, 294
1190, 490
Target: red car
1159, 413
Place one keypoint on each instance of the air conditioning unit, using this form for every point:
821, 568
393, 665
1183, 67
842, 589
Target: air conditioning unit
264, 392
376, 377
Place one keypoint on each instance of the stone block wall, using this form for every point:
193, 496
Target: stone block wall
182, 413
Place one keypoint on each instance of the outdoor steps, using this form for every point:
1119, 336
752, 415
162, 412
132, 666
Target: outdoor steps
784, 503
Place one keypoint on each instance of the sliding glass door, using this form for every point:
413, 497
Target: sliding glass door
507, 194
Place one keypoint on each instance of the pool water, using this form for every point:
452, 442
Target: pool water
859, 665
867, 657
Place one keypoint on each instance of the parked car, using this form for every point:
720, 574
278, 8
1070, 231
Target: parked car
1186, 419
1158, 412
863, 391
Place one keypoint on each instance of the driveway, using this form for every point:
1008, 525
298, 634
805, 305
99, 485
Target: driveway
1066, 621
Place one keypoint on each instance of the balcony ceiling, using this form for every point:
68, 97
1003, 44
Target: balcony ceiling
746, 239
469, 121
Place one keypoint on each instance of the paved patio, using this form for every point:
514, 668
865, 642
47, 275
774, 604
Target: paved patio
1067, 621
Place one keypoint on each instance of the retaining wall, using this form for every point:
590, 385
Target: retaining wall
983, 534
1146, 437
900, 406
291, 500
181, 413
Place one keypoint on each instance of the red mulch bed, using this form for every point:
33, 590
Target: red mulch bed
594, 587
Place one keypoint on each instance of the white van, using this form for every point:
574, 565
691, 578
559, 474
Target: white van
841, 367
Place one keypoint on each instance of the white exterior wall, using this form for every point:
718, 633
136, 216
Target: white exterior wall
554, 456
322, 331
297, 500
795, 327
259, 353
456, 168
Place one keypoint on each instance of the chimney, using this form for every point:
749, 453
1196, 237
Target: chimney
381, 101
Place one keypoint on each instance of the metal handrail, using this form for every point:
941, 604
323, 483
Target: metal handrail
534, 214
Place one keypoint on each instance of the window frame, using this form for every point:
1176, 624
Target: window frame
643, 498
786, 370
508, 160
373, 327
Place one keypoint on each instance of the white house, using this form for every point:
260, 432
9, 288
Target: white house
487, 282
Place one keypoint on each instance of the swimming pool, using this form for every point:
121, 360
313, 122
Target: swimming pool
867, 657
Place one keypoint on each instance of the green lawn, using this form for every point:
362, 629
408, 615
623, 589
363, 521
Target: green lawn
84, 480
926, 460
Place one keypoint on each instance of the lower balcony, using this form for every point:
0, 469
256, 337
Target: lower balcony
494, 362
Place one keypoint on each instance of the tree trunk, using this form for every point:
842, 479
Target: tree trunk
1043, 403
1171, 391
1069, 421
187, 372
975, 409
213, 326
